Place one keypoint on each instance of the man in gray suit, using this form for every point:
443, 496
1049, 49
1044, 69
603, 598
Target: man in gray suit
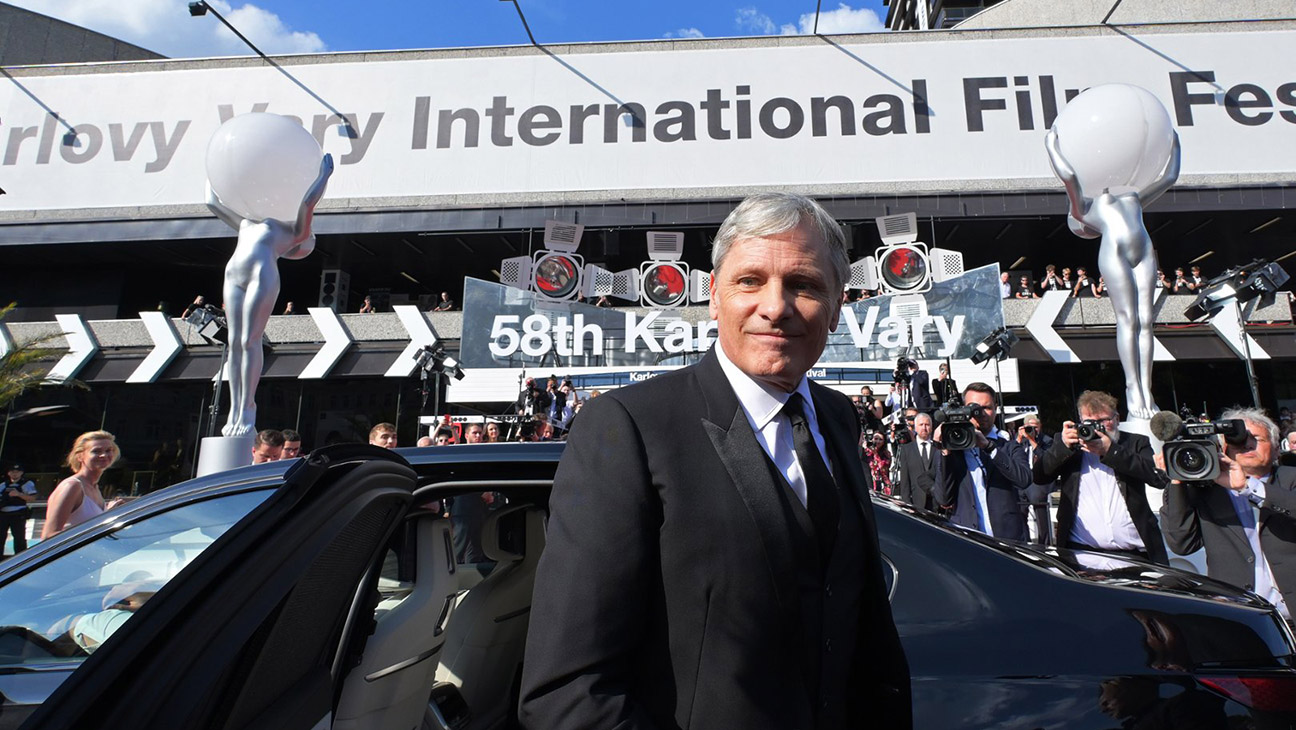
1245, 518
712, 559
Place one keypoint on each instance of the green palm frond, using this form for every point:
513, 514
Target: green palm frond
26, 364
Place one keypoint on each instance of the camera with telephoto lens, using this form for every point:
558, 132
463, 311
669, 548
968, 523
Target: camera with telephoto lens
1089, 429
1194, 455
958, 432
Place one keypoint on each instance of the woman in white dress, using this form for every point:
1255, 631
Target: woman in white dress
77, 498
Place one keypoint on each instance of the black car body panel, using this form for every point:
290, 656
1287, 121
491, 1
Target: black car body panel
997, 634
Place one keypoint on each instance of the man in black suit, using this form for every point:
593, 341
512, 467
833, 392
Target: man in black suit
712, 557
920, 388
1035, 442
1245, 519
918, 465
983, 487
1104, 505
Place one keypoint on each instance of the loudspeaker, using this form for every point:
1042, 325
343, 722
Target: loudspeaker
335, 289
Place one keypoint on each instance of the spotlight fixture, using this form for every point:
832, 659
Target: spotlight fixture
554, 273
198, 9
903, 264
1241, 283
996, 345
664, 281
433, 360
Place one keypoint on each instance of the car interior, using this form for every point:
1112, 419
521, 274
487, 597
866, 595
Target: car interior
449, 634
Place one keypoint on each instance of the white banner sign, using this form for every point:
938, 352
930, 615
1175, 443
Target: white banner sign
871, 112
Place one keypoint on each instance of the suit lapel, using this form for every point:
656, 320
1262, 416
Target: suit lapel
734, 442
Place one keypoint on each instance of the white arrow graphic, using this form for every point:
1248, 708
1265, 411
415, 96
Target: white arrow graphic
82, 346
1040, 325
336, 342
166, 345
1159, 351
421, 335
1227, 325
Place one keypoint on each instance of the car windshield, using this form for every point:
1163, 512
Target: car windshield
64, 608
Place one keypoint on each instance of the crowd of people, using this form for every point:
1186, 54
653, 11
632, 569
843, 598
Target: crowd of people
1243, 518
1083, 286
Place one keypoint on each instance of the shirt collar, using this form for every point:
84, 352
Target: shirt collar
760, 402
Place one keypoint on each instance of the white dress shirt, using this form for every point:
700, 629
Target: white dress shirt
1102, 516
977, 470
763, 407
1246, 502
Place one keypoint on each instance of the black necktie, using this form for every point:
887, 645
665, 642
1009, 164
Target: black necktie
821, 491
925, 455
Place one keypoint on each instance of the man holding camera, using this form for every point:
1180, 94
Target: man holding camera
1244, 518
1104, 475
982, 486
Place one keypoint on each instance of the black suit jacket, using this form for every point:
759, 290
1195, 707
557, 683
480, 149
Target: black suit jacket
1008, 484
1195, 516
1131, 458
920, 391
917, 477
668, 590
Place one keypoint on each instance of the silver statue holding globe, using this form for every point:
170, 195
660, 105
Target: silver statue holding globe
1115, 151
260, 170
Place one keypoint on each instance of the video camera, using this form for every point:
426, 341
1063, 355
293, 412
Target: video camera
958, 431
901, 375
901, 434
1191, 451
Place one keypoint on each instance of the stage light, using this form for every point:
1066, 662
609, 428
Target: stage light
996, 345
661, 282
903, 264
554, 273
1241, 284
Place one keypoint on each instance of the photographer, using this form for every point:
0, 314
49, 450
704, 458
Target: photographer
1104, 481
984, 485
914, 385
1244, 518
946, 389
1032, 438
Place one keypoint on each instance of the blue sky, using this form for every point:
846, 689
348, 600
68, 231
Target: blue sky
288, 26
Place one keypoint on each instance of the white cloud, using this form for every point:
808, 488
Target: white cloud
844, 19
165, 26
754, 21
685, 33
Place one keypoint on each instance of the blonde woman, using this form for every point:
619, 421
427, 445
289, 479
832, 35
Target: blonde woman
77, 498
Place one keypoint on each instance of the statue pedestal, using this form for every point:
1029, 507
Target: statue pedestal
222, 453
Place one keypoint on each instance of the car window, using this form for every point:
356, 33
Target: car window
63, 609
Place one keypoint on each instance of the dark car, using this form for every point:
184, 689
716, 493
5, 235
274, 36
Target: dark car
330, 592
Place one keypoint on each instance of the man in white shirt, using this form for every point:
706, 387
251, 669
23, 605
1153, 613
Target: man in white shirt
1244, 518
1104, 481
918, 465
741, 467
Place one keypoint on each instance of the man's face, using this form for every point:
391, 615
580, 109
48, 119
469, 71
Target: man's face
291, 450
923, 427
473, 435
1110, 420
441, 439
1033, 422
1256, 455
14, 475
775, 303
1023, 281
385, 439
1004, 277
261, 453
983, 417
1291, 446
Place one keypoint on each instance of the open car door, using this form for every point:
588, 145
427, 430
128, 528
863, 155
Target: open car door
259, 630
